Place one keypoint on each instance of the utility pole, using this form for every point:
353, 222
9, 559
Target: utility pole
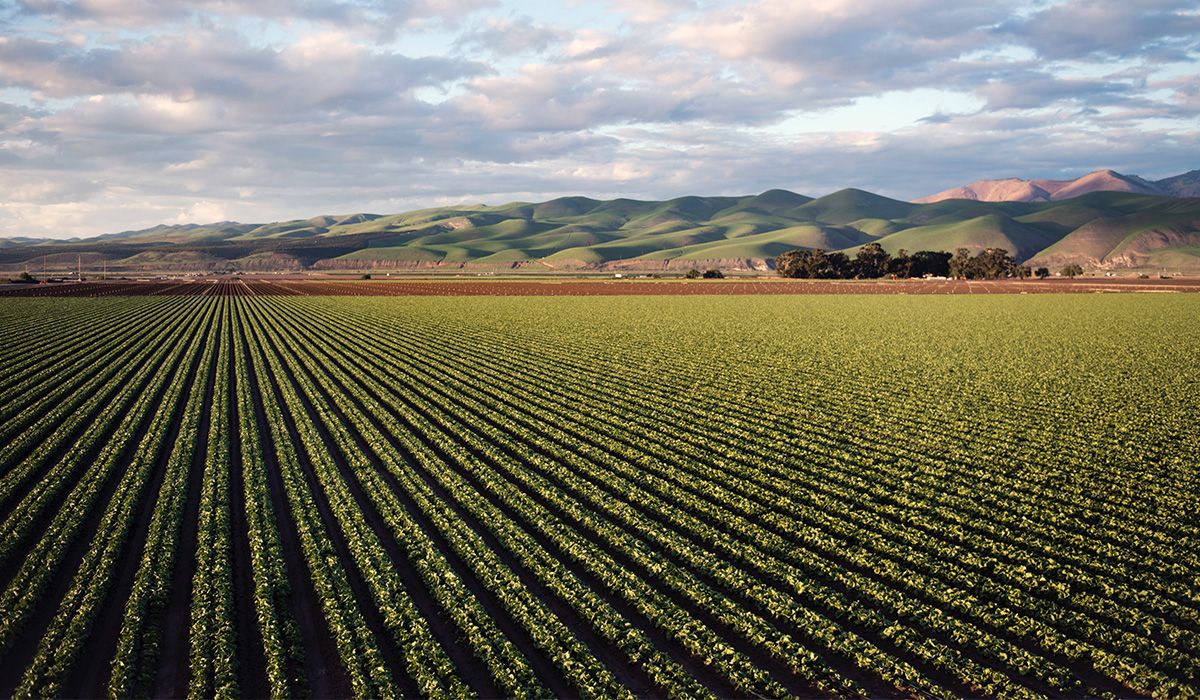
78, 268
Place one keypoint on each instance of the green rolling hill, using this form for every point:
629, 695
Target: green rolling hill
977, 233
849, 205
1100, 230
1140, 234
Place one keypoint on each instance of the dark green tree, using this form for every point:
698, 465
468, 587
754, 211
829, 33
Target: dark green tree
993, 263
814, 264
1073, 270
820, 264
713, 274
834, 266
871, 261
1042, 273
934, 263
791, 263
900, 265
800, 264
960, 264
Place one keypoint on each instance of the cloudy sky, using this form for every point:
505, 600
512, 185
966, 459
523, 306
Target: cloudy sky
118, 114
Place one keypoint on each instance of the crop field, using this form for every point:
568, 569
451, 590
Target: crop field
251, 492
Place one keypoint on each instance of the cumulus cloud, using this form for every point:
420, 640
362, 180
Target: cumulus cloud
375, 17
316, 69
652, 11
118, 114
1154, 29
1035, 89
512, 35
201, 212
841, 47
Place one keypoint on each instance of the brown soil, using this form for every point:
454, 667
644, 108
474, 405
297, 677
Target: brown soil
594, 287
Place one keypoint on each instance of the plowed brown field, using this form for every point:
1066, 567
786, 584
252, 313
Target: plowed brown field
592, 287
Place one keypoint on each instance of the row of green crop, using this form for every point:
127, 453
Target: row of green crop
38, 371
744, 430
912, 580
30, 322
472, 549
917, 427
686, 587
683, 631
272, 600
72, 343
212, 631
556, 641
904, 391
136, 659
426, 347
426, 660
698, 458
43, 557
356, 644
566, 507
44, 432
66, 636
743, 444
570, 447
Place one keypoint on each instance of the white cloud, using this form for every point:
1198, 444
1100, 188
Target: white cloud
201, 213
1155, 29
124, 113
511, 35
376, 19
652, 11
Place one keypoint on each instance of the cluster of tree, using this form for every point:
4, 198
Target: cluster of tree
694, 274
996, 263
988, 264
1072, 271
871, 262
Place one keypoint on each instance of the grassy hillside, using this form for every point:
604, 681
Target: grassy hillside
1109, 230
975, 234
850, 205
1134, 233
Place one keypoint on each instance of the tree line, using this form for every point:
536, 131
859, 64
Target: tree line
872, 262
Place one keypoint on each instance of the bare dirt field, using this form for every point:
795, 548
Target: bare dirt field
591, 287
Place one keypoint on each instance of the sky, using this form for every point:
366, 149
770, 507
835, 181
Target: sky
123, 114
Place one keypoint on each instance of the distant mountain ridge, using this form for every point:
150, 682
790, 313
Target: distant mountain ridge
1108, 230
1016, 189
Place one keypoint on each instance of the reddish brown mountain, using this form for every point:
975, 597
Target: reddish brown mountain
1020, 190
